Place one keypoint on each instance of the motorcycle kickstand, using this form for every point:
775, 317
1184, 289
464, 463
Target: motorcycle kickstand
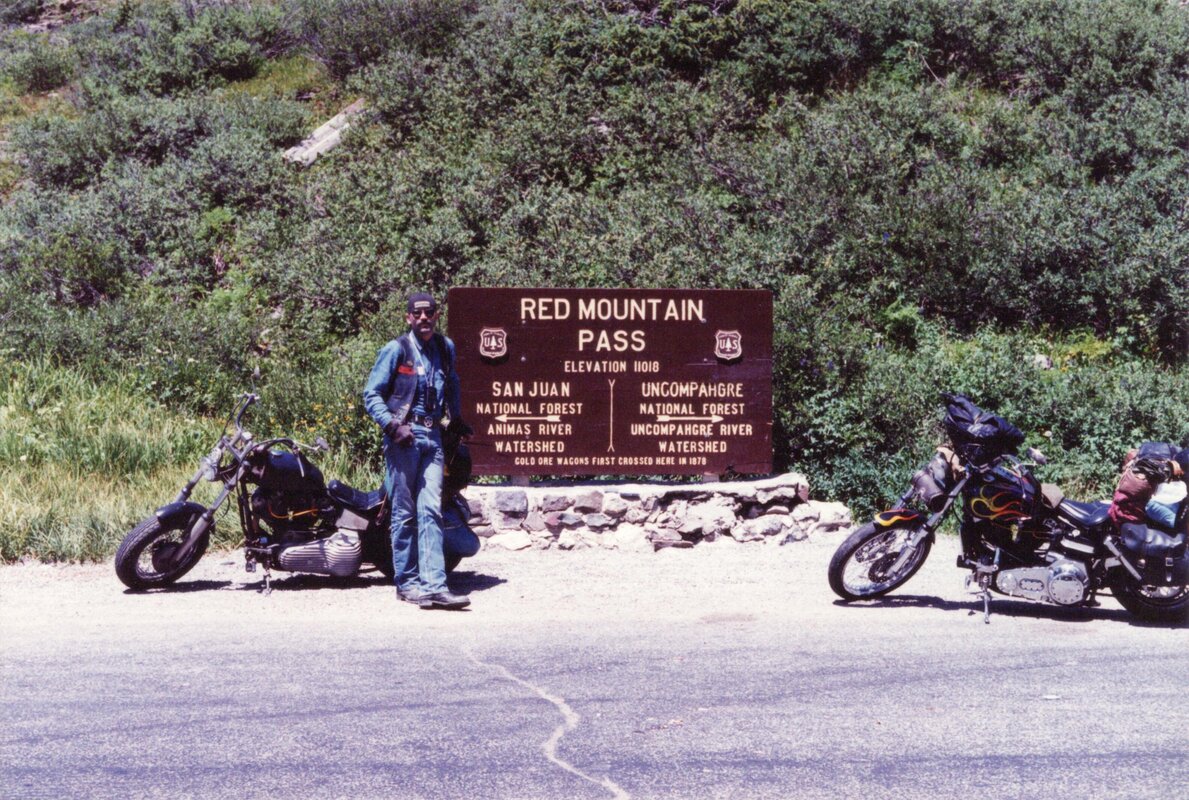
266, 581
983, 576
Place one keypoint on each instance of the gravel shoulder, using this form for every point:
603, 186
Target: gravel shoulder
718, 580
525, 587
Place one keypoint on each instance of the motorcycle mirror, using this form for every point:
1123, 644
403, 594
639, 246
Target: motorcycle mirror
321, 444
1037, 456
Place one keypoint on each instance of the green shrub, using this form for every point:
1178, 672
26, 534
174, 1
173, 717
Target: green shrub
166, 48
35, 62
17, 11
347, 35
188, 158
877, 414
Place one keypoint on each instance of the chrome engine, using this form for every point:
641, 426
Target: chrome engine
1063, 582
339, 555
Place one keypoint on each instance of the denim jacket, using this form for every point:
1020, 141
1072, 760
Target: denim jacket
392, 383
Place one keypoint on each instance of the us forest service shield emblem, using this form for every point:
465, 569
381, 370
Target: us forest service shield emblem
728, 345
493, 342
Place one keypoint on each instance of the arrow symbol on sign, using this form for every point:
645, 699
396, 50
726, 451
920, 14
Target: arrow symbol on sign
611, 423
667, 418
550, 418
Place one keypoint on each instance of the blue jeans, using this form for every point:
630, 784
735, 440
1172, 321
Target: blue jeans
1163, 514
415, 490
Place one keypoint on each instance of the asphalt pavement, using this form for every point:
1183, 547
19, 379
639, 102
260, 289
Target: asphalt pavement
723, 671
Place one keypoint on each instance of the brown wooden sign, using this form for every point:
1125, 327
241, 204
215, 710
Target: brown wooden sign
615, 381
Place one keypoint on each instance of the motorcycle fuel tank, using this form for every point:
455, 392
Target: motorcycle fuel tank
288, 472
1005, 496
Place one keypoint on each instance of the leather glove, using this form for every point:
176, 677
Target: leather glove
400, 434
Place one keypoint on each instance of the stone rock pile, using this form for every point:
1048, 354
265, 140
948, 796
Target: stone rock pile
647, 517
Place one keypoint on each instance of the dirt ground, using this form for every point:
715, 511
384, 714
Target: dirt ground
724, 576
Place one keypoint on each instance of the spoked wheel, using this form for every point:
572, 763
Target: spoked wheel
874, 561
147, 556
1153, 603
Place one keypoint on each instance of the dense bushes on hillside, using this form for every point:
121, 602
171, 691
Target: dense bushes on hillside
15, 11
935, 191
348, 35
35, 63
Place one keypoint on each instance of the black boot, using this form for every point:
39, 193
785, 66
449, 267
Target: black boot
444, 600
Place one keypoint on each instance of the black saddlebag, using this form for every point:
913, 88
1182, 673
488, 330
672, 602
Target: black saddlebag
1162, 559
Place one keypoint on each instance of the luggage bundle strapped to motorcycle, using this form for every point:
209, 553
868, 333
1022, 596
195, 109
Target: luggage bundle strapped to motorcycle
978, 436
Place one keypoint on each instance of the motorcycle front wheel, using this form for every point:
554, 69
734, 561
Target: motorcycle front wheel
1152, 603
874, 561
144, 560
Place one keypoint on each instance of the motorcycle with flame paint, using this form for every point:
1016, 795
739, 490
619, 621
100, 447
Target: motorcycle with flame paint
1020, 538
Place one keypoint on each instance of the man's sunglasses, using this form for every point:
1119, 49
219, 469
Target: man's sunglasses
423, 314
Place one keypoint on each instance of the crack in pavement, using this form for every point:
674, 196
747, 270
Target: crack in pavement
570, 720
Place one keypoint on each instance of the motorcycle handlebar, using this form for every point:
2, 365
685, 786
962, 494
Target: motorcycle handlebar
319, 445
249, 399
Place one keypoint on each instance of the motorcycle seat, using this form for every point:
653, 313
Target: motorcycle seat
353, 498
1084, 515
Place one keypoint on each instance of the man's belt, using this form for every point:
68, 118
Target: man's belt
425, 422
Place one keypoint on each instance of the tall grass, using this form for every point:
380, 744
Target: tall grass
83, 460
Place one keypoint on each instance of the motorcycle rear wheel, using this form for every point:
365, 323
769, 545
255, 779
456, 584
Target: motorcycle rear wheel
141, 561
1152, 603
859, 569
381, 559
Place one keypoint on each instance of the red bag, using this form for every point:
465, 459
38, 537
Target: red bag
1132, 493
1136, 486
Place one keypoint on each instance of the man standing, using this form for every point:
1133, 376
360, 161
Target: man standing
411, 387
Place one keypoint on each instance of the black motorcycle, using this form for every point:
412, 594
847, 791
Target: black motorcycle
292, 520
1019, 538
